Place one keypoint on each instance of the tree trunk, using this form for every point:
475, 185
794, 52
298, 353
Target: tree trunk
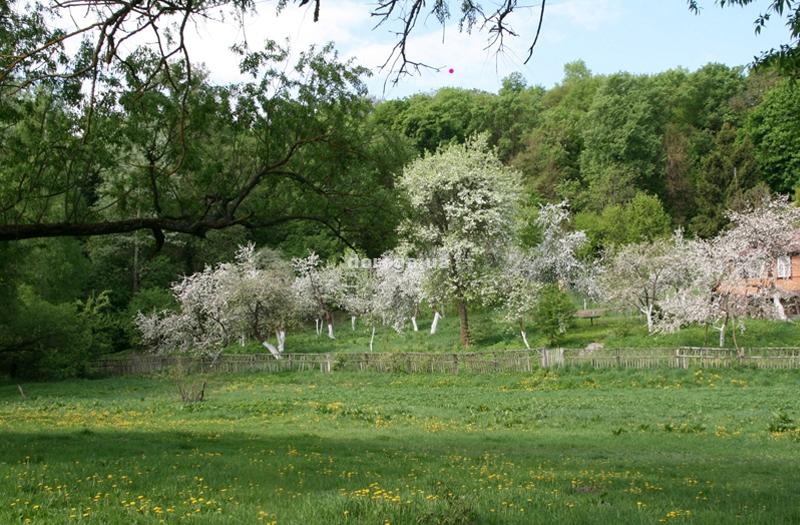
524, 335
281, 335
318, 326
372, 338
733, 334
464, 322
329, 319
780, 313
414, 323
272, 349
435, 323
722, 334
648, 313
353, 322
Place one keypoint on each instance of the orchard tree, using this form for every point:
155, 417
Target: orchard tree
357, 291
259, 295
399, 289
519, 292
755, 251
640, 275
321, 288
553, 262
250, 297
699, 298
462, 203
736, 274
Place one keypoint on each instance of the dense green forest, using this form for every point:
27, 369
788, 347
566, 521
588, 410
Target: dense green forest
107, 197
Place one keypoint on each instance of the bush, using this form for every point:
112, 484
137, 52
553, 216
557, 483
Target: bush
45, 340
554, 314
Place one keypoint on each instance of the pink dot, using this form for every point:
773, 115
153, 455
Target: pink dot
452, 70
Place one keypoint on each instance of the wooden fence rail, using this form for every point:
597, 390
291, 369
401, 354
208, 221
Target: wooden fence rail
455, 363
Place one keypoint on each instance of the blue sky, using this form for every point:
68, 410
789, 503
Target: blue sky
640, 36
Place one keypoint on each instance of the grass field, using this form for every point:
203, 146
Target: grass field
567, 446
491, 333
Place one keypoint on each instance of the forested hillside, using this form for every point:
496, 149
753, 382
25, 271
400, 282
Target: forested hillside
655, 152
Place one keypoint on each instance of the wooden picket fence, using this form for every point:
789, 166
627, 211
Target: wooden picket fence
455, 363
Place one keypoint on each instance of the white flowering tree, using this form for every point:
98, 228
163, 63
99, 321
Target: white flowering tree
463, 203
259, 296
245, 298
735, 274
554, 260
697, 297
519, 291
357, 292
321, 289
640, 275
398, 291
751, 252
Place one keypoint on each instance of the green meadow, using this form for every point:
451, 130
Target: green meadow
490, 332
558, 446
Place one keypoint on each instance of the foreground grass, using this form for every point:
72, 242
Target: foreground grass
573, 446
491, 333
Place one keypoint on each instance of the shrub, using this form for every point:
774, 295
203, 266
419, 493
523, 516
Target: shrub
554, 314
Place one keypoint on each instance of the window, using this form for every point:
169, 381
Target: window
784, 267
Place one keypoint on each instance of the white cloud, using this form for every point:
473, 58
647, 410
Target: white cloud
349, 24
589, 15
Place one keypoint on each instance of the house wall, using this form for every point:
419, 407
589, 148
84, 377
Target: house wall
792, 284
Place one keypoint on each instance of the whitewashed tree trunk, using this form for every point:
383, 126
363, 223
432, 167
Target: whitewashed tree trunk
525, 339
414, 323
281, 335
272, 349
648, 313
318, 323
435, 323
330, 331
372, 338
780, 313
353, 322
721, 330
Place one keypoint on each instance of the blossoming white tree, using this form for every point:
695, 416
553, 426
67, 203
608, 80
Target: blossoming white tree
463, 202
321, 289
398, 291
258, 289
640, 275
247, 297
357, 292
735, 274
553, 261
697, 298
519, 292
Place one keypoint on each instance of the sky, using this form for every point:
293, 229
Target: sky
638, 36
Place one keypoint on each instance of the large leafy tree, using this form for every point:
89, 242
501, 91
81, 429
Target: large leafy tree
550, 160
774, 128
623, 147
165, 153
